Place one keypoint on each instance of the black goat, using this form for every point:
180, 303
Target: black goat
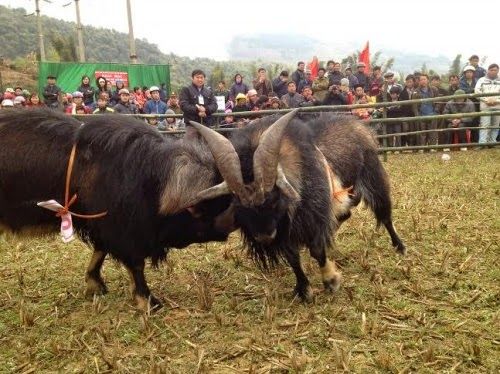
294, 183
123, 167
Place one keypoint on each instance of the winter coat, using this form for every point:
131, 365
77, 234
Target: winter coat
189, 97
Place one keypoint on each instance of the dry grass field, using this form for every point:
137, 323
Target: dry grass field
435, 310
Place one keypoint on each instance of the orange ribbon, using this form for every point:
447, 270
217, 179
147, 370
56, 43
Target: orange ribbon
67, 201
335, 194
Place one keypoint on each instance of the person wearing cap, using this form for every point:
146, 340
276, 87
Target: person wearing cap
241, 103
292, 99
197, 102
155, 105
261, 83
124, 106
253, 102
115, 96
173, 103
228, 121
458, 106
274, 102
170, 123
362, 76
490, 83
307, 81
479, 71
346, 90
280, 84
376, 81
102, 104
7, 103
51, 93
468, 80
320, 85
77, 106
237, 87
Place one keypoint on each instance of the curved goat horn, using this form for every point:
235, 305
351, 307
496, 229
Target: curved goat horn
265, 158
225, 157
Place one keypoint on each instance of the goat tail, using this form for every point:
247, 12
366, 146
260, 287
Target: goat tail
373, 186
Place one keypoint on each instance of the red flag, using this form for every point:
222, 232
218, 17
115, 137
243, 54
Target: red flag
364, 56
313, 66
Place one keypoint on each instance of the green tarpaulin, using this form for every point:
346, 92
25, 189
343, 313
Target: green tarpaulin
69, 74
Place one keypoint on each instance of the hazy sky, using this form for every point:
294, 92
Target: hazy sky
204, 28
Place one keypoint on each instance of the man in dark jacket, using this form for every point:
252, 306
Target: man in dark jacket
51, 93
124, 106
407, 111
261, 84
335, 75
362, 77
196, 101
280, 84
292, 99
458, 106
335, 96
299, 74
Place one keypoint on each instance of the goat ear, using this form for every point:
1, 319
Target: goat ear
220, 189
285, 187
225, 222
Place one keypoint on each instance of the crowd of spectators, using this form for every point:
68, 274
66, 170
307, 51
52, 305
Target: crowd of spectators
104, 98
331, 86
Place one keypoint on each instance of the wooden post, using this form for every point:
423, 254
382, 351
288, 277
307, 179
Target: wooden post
81, 50
131, 39
41, 47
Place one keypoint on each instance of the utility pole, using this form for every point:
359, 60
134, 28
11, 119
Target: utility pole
133, 55
40, 34
81, 51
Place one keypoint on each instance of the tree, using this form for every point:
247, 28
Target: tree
374, 59
64, 46
388, 64
216, 76
456, 65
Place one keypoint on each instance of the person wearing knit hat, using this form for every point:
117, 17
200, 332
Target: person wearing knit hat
458, 106
228, 121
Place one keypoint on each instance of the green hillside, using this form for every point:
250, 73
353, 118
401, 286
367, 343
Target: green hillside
104, 45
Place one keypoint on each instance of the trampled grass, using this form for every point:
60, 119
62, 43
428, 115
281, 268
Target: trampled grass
435, 310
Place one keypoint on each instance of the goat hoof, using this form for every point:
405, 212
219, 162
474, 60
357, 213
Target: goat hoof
401, 249
147, 304
306, 294
95, 287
